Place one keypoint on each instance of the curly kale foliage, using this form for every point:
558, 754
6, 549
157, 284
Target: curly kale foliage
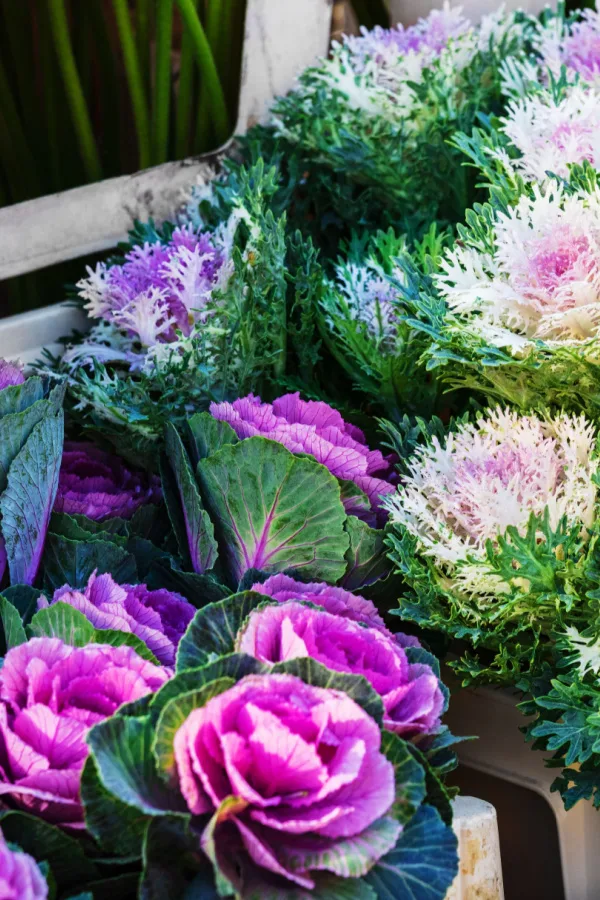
459, 356
364, 327
537, 583
407, 169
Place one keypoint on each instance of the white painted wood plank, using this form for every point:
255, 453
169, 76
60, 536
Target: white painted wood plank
280, 39
479, 867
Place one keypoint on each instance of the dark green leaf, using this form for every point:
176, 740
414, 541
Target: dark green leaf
27, 502
197, 589
423, 864
213, 630
409, 774
72, 562
122, 749
63, 853
25, 598
366, 556
191, 523
175, 868
12, 632
118, 828
208, 435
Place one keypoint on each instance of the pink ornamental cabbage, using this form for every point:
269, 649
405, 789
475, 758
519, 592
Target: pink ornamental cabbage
335, 600
98, 485
20, 877
159, 618
412, 699
10, 374
51, 694
309, 426
302, 769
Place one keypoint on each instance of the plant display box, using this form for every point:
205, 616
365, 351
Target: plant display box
280, 39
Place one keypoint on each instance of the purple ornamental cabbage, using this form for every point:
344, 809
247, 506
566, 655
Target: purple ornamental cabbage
10, 374
160, 288
303, 770
411, 695
309, 426
51, 694
159, 618
334, 600
98, 485
20, 877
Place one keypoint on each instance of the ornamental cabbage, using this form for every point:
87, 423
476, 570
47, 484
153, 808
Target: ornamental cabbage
308, 426
98, 485
302, 771
412, 699
50, 696
159, 618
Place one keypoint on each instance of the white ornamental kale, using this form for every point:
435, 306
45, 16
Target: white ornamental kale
361, 293
375, 71
574, 44
536, 279
551, 132
486, 477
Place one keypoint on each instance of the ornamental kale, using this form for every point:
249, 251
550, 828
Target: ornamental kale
512, 309
494, 530
51, 694
381, 109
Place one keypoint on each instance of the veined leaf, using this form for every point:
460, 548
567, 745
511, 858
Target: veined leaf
174, 715
41, 840
72, 562
409, 775
12, 633
275, 511
27, 502
209, 434
63, 621
365, 557
122, 749
423, 863
118, 828
235, 665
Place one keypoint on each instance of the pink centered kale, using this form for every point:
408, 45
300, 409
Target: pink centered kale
159, 618
160, 288
412, 699
309, 426
10, 374
98, 485
303, 768
51, 694
20, 877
